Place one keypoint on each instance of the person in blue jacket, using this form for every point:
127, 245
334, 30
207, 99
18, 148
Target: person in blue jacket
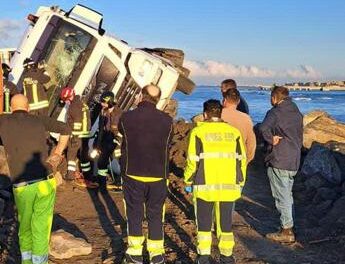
282, 129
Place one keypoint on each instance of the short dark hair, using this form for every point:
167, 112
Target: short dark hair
213, 108
280, 92
148, 97
229, 84
232, 95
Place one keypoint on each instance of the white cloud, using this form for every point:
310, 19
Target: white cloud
10, 31
215, 70
304, 71
218, 69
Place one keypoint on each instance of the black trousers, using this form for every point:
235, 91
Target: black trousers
141, 198
107, 148
205, 214
79, 148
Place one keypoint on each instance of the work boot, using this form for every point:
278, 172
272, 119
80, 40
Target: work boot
203, 259
157, 259
226, 259
111, 186
285, 235
70, 176
81, 182
129, 259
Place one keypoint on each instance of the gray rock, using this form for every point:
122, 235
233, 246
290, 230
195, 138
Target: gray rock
343, 188
338, 151
335, 213
341, 220
324, 194
322, 208
64, 245
315, 182
320, 160
171, 108
2, 206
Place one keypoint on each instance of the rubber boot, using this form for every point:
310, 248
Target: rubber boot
133, 259
203, 259
285, 235
226, 259
157, 260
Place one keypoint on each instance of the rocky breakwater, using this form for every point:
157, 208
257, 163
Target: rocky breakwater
320, 186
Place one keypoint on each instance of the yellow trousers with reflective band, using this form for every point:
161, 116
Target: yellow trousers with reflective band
205, 212
35, 205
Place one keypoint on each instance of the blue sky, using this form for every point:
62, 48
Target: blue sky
253, 41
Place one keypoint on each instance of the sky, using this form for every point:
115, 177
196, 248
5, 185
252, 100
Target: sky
251, 41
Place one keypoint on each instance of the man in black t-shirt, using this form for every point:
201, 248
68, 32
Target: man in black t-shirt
31, 173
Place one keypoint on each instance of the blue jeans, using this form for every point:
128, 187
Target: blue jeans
281, 182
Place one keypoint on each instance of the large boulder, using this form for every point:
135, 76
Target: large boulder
64, 245
313, 115
320, 160
335, 213
171, 108
325, 194
338, 151
198, 118
320, 127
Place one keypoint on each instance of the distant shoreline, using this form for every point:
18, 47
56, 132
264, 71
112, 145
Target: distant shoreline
291, 88
306, 88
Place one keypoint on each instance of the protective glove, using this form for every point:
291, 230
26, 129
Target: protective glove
54, 160
95, 153
188, 189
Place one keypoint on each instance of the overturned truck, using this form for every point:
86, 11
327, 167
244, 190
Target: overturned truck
78, 53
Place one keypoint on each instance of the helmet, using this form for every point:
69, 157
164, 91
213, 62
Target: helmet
28, 62
67, 94
108, 97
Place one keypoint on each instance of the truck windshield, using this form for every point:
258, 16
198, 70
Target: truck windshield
63, 53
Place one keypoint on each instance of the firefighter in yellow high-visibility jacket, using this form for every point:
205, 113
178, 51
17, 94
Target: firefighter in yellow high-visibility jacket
215, 173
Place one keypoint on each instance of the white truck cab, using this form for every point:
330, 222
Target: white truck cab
79, 54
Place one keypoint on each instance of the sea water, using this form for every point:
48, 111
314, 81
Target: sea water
332, 102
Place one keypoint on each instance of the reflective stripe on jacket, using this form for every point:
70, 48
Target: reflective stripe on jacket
34, 90
78, 118
216, 161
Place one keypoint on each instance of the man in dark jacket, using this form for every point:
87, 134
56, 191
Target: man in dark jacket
144, 165
34, 186
231, 84
282, 129
107, 140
